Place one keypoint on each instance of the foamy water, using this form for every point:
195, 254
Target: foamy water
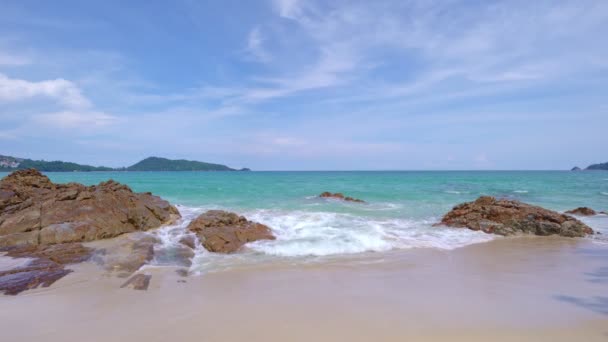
302, 235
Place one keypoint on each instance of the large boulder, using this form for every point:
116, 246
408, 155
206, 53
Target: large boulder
509, 217
33, 210
225, 232
45, 266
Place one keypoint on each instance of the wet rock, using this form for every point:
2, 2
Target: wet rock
340, 196
509, 217
175, 255
582, 211
138, 282
127, 253
225, 232
188, 240
182, 272
46, 267
33, 210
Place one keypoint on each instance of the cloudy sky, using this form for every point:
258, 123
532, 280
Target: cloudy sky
307, 85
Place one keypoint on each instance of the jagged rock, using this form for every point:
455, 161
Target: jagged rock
509, 217
224, 232
33, 210
340, 196
138, 282
46, 267
582, 211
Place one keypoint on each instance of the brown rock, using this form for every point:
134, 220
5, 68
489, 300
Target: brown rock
138, 282
33, 210
47, 266
340, 196
225, 232
582, 211
508, 217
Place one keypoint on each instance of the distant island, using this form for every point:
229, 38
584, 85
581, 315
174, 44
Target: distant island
601, 166
8, 163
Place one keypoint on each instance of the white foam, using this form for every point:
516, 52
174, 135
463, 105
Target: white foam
521, 191
301, 233
455, 192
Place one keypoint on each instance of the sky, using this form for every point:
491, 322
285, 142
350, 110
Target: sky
307, 85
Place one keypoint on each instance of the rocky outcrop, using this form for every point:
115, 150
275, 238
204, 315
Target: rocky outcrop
509, 217
224, 232
33, 210
582, 211
340, 196
46, 267
576, 168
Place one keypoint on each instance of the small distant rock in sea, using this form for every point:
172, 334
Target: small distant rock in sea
225, 232
582, 211
340, 196
510, 217
576, 168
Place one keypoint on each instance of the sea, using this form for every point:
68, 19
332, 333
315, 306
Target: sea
399, 214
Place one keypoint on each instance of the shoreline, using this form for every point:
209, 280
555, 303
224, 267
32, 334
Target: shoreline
523, 288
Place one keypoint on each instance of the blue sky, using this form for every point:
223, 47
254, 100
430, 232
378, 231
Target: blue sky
307, 85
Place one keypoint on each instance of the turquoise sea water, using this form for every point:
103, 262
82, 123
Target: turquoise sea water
401, 208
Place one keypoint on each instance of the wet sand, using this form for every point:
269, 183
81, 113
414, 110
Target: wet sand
511, 289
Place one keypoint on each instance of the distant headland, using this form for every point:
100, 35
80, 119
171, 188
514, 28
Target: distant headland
600, 166
8, 163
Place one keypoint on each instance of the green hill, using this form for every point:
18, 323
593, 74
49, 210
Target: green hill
163, 164
8, 163
602, 166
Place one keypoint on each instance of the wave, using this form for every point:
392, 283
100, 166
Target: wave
604, 193
455, 192
520, 191
301, 234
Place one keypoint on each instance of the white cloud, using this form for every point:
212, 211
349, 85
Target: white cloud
255, 47
288, 8
60, 90
75, 119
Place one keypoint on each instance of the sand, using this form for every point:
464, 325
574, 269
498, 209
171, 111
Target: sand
510, 289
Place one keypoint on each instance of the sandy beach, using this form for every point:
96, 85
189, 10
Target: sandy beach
510, 289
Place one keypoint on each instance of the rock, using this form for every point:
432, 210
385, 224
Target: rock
47, 266
340, 196
582, 211
138, 282
33, 210
224, 232
127, 253
509, 217
576, 168
188, 240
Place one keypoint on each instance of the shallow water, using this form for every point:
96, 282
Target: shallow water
400, 210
